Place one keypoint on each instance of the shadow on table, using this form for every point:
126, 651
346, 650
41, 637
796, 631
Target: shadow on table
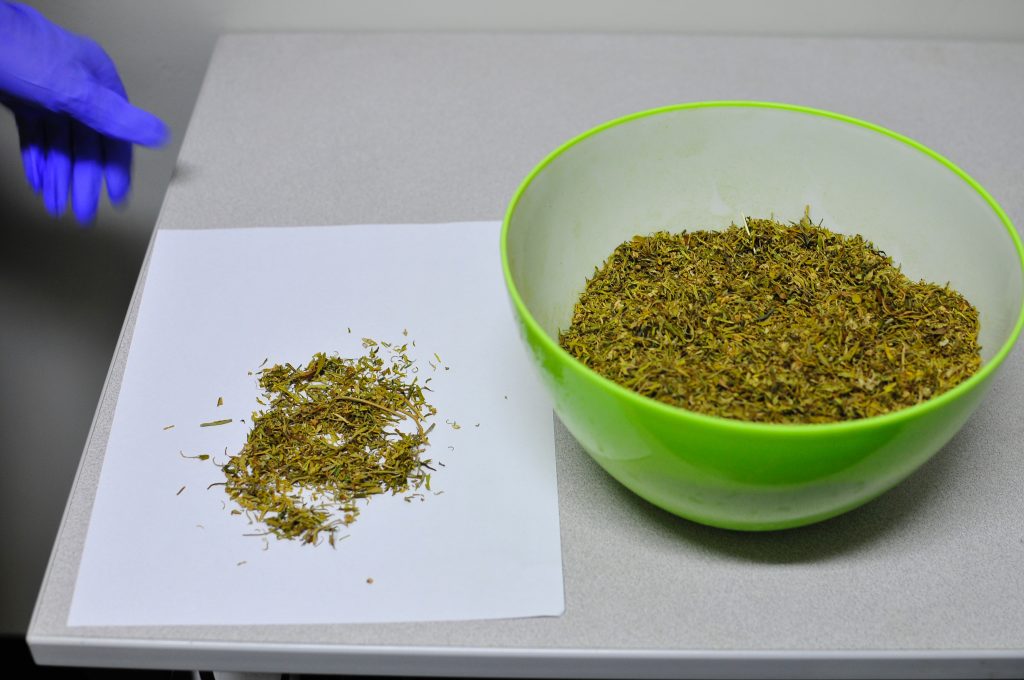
184, 172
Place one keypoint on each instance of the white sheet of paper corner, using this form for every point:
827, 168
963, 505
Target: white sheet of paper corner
215, 304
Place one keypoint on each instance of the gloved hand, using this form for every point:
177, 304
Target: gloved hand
73, 116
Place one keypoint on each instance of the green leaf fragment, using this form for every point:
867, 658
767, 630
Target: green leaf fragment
214, 423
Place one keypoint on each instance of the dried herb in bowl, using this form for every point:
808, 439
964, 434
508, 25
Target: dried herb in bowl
333, 432
771, 322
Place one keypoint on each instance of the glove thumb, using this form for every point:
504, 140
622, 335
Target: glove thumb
111, 114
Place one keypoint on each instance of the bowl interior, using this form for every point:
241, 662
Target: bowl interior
703, 167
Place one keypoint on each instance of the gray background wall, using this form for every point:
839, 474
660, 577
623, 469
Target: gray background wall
64, 290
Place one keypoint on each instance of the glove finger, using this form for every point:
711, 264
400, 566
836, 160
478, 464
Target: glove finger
86, 173
117, 153
57, 173
117, 167
111, 114
33, 148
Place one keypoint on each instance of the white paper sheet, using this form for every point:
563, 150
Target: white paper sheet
215, 304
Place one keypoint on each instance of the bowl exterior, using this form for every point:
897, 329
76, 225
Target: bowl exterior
728, 474
691, 163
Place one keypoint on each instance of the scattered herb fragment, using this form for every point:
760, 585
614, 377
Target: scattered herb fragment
201, 456
214, 423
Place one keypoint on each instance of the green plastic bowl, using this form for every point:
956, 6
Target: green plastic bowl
700, 166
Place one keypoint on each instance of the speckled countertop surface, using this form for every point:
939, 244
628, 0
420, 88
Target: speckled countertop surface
366, 128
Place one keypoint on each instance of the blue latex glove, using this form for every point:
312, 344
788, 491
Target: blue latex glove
74, 119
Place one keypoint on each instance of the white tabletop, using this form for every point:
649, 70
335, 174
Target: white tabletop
374, 128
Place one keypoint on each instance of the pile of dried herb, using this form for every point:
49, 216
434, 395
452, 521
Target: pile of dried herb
333, 432
771, 322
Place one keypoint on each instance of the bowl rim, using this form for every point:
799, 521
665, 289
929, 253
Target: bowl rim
638, 400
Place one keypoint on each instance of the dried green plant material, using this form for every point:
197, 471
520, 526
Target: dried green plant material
214, 423
179, 491
201, 456
333, 432
169, 427
771, 322
220, 401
